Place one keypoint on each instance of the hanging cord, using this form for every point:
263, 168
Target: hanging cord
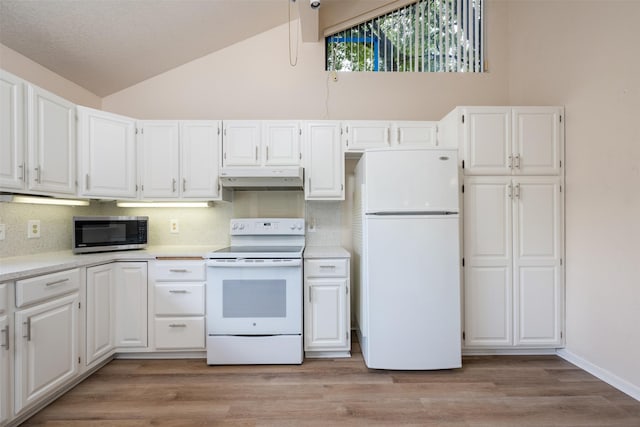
291, 61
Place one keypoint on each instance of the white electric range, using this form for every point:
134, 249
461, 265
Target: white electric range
254, 294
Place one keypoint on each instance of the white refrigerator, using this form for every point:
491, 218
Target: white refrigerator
407, 258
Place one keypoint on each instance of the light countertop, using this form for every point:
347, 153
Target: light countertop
325, 252
19, 267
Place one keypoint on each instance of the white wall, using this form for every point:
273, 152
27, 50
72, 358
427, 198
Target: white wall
584, 55
253, 79
21, 66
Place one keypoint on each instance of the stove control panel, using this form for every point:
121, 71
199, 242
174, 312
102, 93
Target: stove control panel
267, 226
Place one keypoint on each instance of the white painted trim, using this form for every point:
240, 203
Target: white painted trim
606, 376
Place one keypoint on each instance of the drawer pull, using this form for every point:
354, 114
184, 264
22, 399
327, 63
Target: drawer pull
56, 282
178, 291
328, 266
179, 270
6, 344
177, 325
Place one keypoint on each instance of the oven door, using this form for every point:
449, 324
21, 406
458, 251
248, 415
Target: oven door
254, 297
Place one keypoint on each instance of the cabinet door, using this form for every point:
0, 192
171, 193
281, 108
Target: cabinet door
414, 134
46, 349
100, 312
241, 143
537, 140
106, 145
131, 304
5, 378
199, 159
12, 131
360, 135
52, 143
487, 141
324, 161
537, 254
282, 143
488, 262
159, 158
326, 314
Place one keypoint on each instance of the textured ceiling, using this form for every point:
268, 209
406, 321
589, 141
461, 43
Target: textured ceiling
108, 45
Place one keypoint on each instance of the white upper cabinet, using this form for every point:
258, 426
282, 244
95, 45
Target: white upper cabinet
537, 140
261, 143
360, 135
106, 154
12, 132
179, 159
241, 143
281, 143
199, 159
159, 151
37, 139
487, 140
415, 134
52, 143
518, 140
324, 161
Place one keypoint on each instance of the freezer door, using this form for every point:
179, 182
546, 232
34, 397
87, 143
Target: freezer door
412, 291
417, 180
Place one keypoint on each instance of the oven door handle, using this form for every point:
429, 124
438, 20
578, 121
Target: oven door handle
244, 263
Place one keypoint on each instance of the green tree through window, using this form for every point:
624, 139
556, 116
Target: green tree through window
426, 36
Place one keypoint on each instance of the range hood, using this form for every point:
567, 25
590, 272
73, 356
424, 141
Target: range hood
263, 178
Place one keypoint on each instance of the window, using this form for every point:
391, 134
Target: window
428, 36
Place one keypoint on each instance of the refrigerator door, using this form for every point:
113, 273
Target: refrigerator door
416, 180
412, 293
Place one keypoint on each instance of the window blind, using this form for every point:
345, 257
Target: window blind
426, 36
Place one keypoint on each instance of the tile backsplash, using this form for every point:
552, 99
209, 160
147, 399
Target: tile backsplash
197, 226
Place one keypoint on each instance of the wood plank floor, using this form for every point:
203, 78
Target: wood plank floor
487, 391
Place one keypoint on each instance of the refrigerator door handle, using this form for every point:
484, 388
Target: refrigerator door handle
420, 213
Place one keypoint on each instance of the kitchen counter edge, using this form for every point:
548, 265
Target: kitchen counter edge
311, 252
19, 267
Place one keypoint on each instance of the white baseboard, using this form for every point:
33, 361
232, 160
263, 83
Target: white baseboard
606, 376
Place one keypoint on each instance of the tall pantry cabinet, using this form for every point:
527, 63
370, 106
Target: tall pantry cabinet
512, 164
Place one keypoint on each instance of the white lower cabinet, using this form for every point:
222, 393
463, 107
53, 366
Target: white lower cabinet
5, 355
131, 305
100, 309
178, 306
46, 354
326, 308
513, 262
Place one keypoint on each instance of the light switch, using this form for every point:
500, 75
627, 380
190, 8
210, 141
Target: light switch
33, 229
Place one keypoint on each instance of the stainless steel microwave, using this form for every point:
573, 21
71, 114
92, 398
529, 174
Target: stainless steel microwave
109, 233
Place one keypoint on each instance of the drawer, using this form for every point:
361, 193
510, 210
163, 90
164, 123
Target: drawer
179, 299
179, 332
4, 298
330, 267
45, 287
179, 270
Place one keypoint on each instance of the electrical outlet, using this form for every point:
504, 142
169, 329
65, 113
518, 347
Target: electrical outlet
311, 226
174, 227
33, 229
3, 231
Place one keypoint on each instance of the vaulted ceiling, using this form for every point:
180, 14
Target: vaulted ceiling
108, 45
